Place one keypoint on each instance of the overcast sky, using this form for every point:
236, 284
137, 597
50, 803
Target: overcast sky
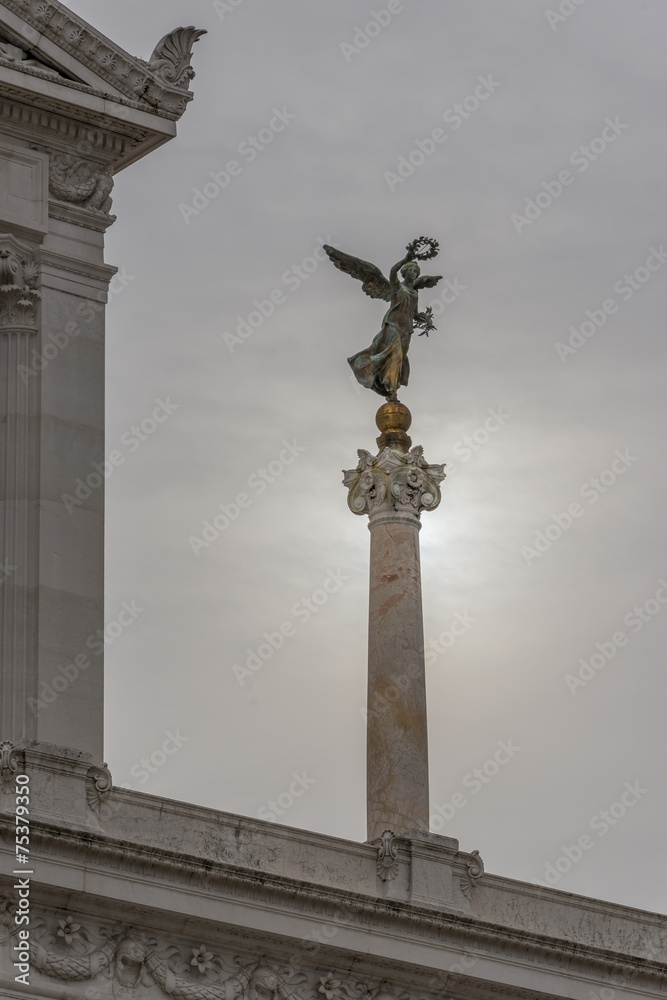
569, 114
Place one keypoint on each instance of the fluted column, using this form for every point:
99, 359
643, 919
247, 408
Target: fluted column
393, 488
19, 489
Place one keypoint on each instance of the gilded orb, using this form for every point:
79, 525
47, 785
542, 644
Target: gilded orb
393, 419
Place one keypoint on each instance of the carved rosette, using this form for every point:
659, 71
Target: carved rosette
393, 486
19, 273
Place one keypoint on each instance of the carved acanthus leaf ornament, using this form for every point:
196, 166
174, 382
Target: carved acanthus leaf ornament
392, 481
19, 274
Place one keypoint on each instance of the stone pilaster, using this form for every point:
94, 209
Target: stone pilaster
19, 487
393, 488
75, 109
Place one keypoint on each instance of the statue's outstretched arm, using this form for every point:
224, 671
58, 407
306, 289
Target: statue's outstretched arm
393, 274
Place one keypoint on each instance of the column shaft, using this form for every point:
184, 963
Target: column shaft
397, 747
19, 523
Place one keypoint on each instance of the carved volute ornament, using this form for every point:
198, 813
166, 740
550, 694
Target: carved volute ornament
19, 274
393, 483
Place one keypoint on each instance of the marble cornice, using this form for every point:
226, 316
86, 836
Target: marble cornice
385, 917
100, 61
86, 124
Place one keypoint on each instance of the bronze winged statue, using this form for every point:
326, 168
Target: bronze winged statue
385, 366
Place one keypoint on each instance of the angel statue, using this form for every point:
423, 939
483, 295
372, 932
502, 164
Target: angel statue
385, 366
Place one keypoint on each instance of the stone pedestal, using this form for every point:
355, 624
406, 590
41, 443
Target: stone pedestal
393, 488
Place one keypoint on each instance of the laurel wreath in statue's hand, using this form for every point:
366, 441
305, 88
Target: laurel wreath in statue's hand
423, 248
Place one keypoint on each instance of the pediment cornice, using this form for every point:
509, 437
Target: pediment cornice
52, 33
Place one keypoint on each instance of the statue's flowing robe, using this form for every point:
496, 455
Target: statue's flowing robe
385, 366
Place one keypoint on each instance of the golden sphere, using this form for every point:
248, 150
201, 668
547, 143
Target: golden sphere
392, 417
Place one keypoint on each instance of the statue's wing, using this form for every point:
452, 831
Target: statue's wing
427, 281
374, 282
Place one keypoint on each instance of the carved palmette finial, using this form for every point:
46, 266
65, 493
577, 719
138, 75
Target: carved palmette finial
170, 61
387, 863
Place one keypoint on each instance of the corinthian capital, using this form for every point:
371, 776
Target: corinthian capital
393, 482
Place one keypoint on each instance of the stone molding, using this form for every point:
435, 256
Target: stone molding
160, 84
19, 296
357, 912
392, 486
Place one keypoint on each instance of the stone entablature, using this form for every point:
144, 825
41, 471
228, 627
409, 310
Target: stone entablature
128, 868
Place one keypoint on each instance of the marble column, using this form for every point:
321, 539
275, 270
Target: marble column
393, 488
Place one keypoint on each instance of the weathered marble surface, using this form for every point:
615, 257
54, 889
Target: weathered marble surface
166, 878
393, 488
397, 741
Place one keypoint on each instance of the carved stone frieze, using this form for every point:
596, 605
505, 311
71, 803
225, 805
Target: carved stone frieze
391, 481
19, 274
162, 84
73, 949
